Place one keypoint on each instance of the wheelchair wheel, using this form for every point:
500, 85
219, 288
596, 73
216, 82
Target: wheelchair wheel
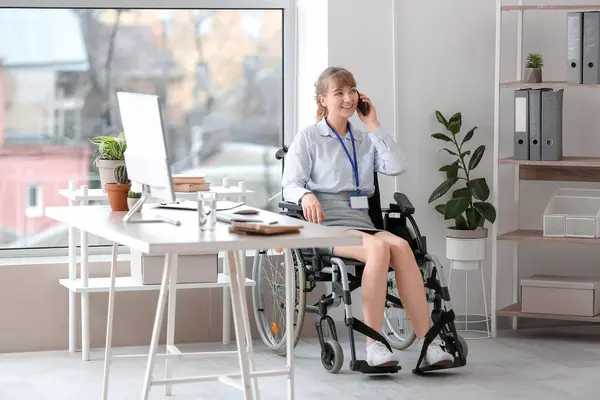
268, 296
397, 328
332, 356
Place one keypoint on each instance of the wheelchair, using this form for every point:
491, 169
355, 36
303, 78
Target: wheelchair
311, 267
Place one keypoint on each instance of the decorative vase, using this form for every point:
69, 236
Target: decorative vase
117, 196
533, 75
466, 248
131, 202
106, 171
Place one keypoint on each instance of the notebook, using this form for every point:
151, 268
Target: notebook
248, 228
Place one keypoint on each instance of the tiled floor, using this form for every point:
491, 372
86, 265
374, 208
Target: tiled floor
553, 363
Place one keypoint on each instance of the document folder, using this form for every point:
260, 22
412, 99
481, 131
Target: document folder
575, 47
591, 41
521, 125
535, 124
552, 124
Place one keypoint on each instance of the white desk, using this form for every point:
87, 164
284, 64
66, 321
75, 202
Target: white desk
85, 285
162, 238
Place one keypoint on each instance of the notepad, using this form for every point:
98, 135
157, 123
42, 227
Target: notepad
248, 228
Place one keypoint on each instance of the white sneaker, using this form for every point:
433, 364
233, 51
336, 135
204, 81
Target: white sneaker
435, 354
378, 355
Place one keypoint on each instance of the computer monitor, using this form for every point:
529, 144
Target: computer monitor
146, 156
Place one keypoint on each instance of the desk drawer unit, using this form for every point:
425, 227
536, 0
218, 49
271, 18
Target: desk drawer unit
192, 268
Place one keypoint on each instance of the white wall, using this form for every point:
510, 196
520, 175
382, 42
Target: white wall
445, 62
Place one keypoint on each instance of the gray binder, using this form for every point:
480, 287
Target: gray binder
535, 124
591, 41
521, 125
575, 47
552, 124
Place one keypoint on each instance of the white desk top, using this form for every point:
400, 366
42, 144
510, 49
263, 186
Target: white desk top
160, 238
99, 194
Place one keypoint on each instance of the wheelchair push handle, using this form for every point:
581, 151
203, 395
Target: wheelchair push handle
281, 152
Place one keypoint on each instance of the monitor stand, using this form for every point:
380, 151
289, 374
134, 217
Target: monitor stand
139, 204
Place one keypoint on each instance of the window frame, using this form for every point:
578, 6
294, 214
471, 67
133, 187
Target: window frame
289, 58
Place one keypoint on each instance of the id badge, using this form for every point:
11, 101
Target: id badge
359, 201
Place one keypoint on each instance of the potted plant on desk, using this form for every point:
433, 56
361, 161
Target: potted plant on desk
117, 192
132, 199
111, 152
468, 206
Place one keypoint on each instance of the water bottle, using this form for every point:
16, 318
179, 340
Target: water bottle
207, 210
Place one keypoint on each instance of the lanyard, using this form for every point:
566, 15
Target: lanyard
353, 163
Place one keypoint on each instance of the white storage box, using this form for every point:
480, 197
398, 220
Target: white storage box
191, 268
574, 213
560, 295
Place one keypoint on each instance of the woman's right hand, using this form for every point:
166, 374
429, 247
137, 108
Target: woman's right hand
311, 207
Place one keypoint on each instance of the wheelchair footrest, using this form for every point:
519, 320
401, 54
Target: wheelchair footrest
365, 368
422, 370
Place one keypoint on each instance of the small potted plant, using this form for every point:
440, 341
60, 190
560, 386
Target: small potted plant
467, 206
111, 152
117, 192
533, 68
132, 199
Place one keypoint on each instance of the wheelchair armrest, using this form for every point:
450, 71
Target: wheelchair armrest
403, 204
289, 206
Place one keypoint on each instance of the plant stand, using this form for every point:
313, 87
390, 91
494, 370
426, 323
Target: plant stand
466, 252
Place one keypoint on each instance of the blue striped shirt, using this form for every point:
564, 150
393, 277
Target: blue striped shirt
316, 161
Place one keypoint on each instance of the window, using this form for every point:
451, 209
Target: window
222, 97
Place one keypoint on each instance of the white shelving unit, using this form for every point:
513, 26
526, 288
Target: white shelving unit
84, 285
581, 169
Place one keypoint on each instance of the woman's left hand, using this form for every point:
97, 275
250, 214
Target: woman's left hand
371, 118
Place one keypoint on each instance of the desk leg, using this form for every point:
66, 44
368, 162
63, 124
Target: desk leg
226, 305
241, 275
289, 319
158, 318
109, 321
238, 323
171, 322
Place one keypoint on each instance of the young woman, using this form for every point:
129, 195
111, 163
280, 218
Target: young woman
329, 169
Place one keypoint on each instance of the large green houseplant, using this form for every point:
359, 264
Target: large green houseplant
110, 153
468, 204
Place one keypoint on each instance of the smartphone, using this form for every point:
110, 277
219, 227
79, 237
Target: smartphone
362, 106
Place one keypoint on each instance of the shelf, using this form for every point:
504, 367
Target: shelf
551, 7
547, 84
514, 310
522, 235
566, 162
577, 169
127, 284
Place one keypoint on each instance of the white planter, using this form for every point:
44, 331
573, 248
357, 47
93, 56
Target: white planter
466, 249
131, 202
106, 170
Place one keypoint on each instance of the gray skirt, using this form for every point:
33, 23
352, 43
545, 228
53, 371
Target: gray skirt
337, 211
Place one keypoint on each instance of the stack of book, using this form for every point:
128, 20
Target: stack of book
190, 184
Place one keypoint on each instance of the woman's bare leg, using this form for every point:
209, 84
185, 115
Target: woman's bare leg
375, 253
409, 282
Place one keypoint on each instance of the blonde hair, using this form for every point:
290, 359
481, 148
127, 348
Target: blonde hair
340, 77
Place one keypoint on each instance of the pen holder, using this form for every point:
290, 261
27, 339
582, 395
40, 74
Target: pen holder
207, 211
